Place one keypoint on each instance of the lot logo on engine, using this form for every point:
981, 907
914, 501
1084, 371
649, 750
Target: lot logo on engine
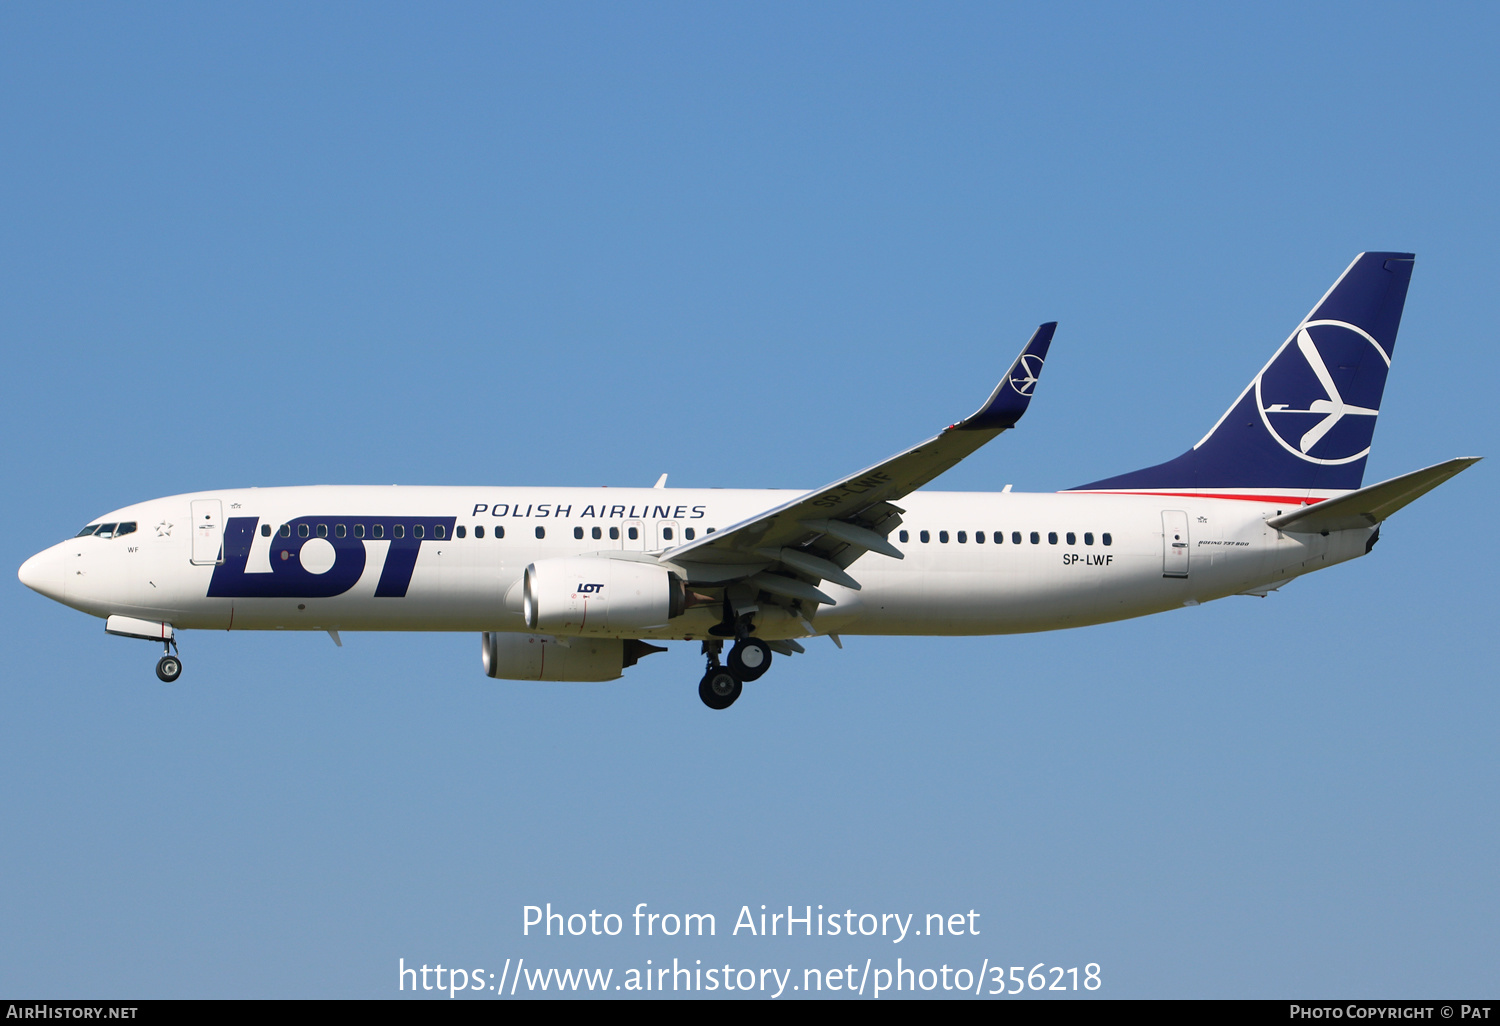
590, 589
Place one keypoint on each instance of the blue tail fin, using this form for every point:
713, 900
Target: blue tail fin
1307, 419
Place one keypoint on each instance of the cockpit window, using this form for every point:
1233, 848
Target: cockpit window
107, 530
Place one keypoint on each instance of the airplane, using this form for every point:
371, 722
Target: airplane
579, 584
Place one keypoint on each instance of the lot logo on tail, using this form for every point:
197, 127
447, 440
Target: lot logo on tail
1319, 397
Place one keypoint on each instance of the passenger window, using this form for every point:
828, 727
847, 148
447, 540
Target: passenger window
265, 530
377, 531
359, 530
963, 537
339, 531
286, 530
596, 534
925, 537
461, 531
1051, 537
904, 536
711, 530
1105, 538
439, 532
398, 531
1015, 537
943, 537
1088, 537
87, 531
478, 530
302, 531
1036, 539
1000, 538
322, 530
614, 534
541, 532
633, 532
978, 537
500, 531
417, 530
666, 533
1072, 538
688, 532
578, 533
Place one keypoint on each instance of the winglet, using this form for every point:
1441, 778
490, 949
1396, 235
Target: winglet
1011, 397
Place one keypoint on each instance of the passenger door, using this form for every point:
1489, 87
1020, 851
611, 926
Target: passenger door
208, 532
1174, 543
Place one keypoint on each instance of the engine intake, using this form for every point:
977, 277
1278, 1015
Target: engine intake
594, 595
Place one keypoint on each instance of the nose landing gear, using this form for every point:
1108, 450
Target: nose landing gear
169, 666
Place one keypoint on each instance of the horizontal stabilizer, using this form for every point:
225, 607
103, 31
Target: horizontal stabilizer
1369, 506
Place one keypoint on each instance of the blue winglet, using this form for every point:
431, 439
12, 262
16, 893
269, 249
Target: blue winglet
1011, 397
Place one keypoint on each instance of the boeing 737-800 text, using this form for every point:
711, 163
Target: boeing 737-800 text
575, 584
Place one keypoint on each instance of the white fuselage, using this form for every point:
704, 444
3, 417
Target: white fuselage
1114, 567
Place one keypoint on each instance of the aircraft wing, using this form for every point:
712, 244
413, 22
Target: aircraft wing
788, 549
1368, 506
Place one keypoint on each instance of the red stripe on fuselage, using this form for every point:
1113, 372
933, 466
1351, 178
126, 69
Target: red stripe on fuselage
1290, 500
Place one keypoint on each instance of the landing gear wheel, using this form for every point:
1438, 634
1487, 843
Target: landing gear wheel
719, 688
749, 659
169, 668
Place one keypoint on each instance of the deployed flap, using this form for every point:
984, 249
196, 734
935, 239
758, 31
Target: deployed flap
1369, 506
810, 524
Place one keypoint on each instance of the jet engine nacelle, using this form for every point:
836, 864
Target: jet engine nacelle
595, 595
542, 657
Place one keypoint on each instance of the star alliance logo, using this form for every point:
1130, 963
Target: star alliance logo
1320, 395
1028, 369
164, 530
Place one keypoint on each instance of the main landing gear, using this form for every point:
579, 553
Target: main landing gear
169, 666
719, 688
749, 659
721, 685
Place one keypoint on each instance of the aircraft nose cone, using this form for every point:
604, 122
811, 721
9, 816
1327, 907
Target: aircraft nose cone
41, 574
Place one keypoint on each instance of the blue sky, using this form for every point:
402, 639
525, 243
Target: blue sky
749, 246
